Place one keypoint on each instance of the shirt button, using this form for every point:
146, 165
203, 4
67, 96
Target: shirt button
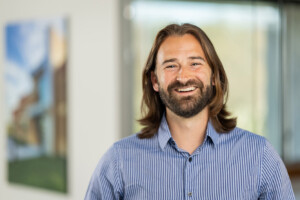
189, 194
190, 159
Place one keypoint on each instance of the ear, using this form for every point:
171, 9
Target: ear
154, 81
213, 80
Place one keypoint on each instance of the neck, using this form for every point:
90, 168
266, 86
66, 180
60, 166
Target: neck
188, 133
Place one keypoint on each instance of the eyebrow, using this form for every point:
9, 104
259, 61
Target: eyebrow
196, 57
169, 60
175, 59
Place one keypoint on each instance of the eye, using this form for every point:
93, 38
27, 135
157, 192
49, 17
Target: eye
196, 64
171, 66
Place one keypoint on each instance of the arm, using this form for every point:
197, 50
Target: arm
105, 183
275, 183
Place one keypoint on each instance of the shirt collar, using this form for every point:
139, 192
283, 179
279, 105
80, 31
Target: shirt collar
164, 134
212, 133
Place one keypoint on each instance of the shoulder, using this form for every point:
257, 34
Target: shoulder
134, 143
251, 145
244, 139
127, 146
274, 179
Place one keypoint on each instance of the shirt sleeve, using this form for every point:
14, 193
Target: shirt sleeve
105, 183
275, 181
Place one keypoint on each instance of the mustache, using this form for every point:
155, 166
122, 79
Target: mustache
178, 84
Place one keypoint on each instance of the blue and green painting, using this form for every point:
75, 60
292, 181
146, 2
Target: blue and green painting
36, 103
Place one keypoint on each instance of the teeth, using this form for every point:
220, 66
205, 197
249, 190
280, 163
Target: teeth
186, 89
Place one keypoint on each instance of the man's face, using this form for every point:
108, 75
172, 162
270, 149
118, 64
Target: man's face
182, 76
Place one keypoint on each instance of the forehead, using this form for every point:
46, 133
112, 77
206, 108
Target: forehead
186, 43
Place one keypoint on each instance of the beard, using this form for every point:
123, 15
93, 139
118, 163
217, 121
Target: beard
187, 106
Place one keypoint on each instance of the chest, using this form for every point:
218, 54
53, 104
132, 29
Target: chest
207, 175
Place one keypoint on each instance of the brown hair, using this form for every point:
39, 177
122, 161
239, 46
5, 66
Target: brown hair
152, 106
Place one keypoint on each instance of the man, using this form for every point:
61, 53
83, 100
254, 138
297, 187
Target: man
190, 147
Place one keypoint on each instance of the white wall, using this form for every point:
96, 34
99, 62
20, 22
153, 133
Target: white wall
92, 87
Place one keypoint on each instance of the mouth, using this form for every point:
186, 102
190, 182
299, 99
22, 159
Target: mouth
186, 89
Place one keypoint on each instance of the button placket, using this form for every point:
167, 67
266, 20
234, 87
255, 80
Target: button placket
189, 178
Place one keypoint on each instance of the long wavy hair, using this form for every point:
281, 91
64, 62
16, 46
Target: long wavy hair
152, 107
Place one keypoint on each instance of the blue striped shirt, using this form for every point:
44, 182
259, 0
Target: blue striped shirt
235, 166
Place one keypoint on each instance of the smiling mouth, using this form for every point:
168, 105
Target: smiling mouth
187, 89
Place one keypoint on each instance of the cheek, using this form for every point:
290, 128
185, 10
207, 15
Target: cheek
170, 76
205, 77
162, 79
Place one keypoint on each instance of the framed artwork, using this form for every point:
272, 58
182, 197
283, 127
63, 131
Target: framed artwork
36, 103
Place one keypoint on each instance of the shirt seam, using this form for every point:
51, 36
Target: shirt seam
261, 168
118, 171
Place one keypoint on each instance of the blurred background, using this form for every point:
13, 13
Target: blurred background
108, 42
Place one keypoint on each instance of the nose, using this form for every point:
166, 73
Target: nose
183, 75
